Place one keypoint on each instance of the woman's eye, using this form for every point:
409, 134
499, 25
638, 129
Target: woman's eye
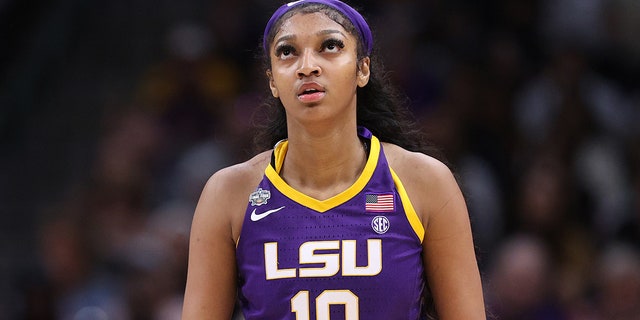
284, 51
333, 45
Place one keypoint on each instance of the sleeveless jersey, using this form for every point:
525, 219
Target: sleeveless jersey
356, 255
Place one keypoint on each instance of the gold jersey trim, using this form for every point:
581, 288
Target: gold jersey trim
280, 150
409, 211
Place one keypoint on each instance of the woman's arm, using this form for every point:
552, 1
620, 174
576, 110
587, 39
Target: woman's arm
211, 279
449, 255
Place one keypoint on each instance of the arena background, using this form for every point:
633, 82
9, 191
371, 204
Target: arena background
114, 113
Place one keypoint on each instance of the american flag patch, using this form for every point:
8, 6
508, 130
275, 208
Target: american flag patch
383, 202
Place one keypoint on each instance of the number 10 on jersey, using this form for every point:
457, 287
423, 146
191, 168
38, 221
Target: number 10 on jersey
300, 304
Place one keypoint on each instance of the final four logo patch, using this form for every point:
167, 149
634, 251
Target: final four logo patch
259, 197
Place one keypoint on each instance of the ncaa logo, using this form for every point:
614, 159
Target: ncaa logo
259, 197
380, 224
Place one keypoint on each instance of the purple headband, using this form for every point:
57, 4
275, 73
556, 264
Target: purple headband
356, 19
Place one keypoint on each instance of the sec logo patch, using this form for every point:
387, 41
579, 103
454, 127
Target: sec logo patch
380, 224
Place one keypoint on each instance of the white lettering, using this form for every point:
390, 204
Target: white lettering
271, 263
374, 254
311, 252
331, 261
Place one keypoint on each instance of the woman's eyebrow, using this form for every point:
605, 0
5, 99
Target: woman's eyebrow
285, 38
288, 37
329, 31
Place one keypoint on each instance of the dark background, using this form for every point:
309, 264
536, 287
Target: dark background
114, 113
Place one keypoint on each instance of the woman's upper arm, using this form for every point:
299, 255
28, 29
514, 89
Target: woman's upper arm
211, 279
450, 259
449, 255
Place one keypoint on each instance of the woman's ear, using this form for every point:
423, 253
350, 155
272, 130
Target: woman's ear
364, 71
272, 84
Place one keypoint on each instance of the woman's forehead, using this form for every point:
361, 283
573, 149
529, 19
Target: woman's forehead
310, 23
340, 12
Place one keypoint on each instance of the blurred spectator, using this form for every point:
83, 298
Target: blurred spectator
75, 285
520, 281
578, 21
603, 174
618, 283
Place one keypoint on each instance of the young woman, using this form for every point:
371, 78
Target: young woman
344, 218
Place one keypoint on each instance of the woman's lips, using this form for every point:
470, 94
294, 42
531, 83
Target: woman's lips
311, 92
313, 96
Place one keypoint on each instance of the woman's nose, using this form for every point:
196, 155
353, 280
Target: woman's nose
308, 65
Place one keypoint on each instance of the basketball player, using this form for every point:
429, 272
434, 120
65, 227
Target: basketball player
343, 218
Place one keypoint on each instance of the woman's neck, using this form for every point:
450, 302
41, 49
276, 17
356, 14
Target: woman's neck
323, 165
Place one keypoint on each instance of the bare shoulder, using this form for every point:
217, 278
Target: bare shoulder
240, 176
429, 182
417, 166
227, 191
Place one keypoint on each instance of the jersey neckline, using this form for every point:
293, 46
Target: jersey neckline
280, 151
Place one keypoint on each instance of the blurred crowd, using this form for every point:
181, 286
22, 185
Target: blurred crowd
534, 103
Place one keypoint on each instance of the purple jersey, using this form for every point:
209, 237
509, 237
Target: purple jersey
354, 256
